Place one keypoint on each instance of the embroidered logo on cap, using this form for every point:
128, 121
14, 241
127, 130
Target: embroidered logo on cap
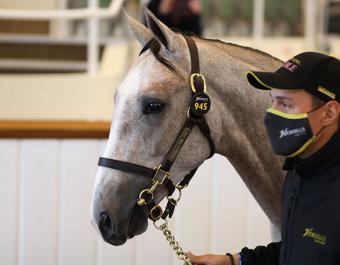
325, 91
290, 66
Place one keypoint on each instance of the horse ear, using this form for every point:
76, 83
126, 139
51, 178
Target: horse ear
142, 33
161, 32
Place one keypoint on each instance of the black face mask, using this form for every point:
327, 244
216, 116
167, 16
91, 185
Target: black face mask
289, 134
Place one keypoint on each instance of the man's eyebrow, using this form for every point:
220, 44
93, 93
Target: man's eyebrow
280, 97
283, 98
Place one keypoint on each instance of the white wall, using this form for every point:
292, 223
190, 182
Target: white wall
81, 97
45, 194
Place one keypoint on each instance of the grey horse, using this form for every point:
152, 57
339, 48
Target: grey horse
235, 119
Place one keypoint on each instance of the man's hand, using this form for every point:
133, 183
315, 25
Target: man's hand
209, 259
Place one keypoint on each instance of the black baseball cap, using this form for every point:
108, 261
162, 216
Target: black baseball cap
317, 73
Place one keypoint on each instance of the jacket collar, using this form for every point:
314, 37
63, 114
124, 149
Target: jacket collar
319, 162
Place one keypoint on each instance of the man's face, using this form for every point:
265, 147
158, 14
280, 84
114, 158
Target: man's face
296, 102
291, 101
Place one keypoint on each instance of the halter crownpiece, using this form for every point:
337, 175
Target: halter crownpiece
160, 175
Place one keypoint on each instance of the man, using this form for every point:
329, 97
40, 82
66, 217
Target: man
303, 125
184, 16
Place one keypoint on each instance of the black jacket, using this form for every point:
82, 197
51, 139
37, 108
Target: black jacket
310, 214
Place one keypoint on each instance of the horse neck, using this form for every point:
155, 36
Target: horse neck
238, 120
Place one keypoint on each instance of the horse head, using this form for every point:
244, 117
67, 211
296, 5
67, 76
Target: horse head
150, 108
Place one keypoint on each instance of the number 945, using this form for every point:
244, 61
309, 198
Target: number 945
201, 106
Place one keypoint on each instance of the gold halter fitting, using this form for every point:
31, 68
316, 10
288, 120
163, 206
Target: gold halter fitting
192, 83
158, 179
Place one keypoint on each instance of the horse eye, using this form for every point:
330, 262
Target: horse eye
153, 107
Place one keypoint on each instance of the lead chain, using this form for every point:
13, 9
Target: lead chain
181, 255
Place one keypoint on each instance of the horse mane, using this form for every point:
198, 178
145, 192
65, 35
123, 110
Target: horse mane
155, 47
242, 47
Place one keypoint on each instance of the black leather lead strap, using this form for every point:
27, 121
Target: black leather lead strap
204, 127
195, 63
126, 167
187, 178
135, 169
171, 205
177, 145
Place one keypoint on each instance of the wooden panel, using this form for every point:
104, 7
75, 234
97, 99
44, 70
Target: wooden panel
78, 239
24, 27
54, 129
9, 165
39, 194
46, 51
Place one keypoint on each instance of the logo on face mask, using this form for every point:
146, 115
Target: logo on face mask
296, 132
301, 137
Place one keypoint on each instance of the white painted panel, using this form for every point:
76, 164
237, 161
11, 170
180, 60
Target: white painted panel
216, 213
193, 215
108, 254
150, 243
229, 208
9, 164
258, 224
39, 190
78, 239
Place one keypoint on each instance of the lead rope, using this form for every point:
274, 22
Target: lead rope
180, 253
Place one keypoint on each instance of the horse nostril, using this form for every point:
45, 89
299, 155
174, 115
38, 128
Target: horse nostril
105, 226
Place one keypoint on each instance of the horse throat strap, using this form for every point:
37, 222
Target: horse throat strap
200, 105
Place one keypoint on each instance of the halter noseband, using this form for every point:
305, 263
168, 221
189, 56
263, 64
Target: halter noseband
200, 105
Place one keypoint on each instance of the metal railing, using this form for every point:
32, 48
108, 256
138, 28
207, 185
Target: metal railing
92, 14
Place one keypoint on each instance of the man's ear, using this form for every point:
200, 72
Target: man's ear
168, 38
332, 113
142, 33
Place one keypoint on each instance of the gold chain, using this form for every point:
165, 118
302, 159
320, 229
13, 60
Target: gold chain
181, 255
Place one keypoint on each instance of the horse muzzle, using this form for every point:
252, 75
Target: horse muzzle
116, 232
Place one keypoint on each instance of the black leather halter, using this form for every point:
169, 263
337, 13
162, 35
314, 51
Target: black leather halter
200, 105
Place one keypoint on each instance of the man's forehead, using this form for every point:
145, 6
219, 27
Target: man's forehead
289, 94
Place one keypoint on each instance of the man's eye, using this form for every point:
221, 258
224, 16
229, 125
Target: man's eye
283, 104
153, 107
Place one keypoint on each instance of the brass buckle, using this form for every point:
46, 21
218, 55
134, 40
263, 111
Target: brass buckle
156, 212
156, 178
179, 196
192, 83
142, 200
